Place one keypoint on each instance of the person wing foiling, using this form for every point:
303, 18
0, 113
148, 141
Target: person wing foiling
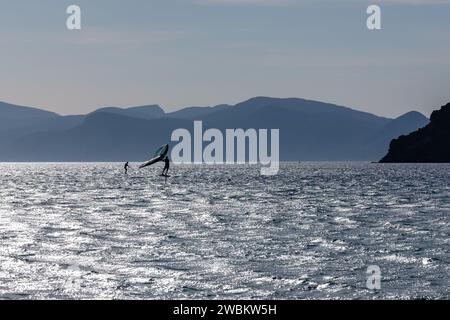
166, 166
160, 155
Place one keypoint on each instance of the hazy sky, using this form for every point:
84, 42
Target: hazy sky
204, 52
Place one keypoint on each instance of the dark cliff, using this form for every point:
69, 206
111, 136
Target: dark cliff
429, 144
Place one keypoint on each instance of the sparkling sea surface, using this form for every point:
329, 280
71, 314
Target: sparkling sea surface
88, 231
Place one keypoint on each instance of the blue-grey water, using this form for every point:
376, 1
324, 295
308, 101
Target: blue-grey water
82, 231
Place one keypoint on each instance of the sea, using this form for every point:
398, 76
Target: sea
314, 231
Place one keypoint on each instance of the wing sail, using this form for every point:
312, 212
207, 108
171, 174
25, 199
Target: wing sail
160, 154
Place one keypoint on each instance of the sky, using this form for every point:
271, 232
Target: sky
179, 53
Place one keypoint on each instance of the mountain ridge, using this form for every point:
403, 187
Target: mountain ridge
310, 130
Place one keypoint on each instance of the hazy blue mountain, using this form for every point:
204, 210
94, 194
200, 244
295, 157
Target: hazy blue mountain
406, 123
14, 116
8, 110
375, 147
143, 112
308, 107
102, 136
21, 121
196, 112
55, 124
309, 130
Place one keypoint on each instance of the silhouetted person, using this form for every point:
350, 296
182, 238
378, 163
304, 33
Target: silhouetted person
126, 166
166, 166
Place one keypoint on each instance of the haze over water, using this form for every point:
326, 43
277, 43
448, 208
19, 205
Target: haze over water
88, 231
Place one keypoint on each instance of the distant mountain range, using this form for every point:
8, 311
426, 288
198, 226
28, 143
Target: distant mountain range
430, 144
309, 130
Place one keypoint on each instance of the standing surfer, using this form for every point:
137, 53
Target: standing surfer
166, 166
126, 166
